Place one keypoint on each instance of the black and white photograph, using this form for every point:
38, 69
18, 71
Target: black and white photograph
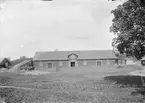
72, 51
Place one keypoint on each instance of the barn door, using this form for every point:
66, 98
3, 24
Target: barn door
72, 64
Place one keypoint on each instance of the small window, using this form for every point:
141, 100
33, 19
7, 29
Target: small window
99, 63
49, 65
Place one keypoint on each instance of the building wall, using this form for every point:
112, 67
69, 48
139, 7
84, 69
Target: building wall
112, 62
91, 62
55, 64
120, 62
64, 64
79, 63
104, 62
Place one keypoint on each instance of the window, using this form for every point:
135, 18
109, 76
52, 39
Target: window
49, 65
99, 63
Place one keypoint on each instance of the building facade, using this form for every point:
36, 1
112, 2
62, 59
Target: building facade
59, 59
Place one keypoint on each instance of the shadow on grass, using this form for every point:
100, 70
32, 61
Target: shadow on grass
129, 81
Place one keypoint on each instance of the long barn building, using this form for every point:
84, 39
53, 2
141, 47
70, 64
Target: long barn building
59, 59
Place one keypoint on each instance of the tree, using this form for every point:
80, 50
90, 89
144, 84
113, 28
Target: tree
128, 25
139, 2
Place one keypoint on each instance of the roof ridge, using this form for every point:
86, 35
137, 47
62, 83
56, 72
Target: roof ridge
74, 50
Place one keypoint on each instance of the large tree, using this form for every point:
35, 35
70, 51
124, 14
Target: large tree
128, 25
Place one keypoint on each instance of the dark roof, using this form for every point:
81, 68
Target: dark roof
84, 54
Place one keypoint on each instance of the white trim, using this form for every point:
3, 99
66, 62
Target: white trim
72, 56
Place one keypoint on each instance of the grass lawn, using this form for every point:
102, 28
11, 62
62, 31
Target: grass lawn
70, 85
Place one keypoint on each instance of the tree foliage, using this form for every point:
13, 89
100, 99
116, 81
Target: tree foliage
128, 25
139, 2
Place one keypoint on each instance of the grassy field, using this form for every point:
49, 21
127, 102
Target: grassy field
72, 85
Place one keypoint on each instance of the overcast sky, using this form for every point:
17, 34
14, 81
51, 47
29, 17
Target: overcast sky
27, 26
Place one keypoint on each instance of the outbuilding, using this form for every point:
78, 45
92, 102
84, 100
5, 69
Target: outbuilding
5, 63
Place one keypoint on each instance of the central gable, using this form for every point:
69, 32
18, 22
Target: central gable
72, 56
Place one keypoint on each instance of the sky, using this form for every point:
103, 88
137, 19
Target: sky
27, 26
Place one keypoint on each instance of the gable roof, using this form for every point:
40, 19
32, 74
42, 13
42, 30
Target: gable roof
4, 60
85, 54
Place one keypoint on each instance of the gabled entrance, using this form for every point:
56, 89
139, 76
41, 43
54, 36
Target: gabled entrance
72, 60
